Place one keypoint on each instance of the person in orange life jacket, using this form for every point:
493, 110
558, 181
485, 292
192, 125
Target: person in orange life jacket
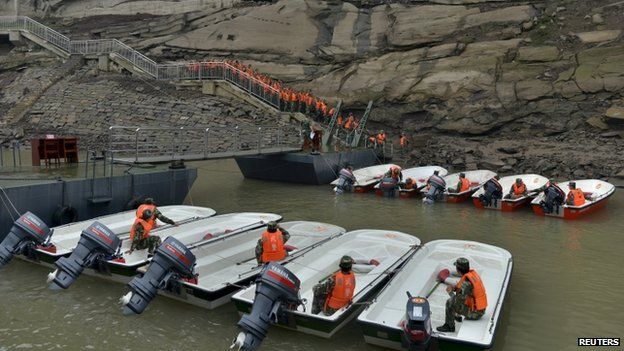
270, 246
467, 297
337, 291
575, 197
409, 184
518, 189
462, 185
146, 216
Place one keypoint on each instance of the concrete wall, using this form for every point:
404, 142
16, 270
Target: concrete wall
166, 187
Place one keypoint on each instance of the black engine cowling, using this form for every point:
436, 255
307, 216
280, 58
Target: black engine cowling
96, 242
277, 290
172, 260
27, 232
417, 324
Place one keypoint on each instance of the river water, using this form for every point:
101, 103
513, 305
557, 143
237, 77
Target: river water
567, 281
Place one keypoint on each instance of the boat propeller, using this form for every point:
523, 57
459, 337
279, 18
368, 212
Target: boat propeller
172, 260
27, 232
277, 291
96, 243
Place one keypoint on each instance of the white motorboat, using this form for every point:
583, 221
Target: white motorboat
419, 176
533, 183
477, 179
384, 321
227, 264
366, 178
596, 191
389, 248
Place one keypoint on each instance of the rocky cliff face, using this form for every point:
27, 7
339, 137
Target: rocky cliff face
509, 69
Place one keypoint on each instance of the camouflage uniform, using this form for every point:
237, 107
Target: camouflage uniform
456, 305
260, 248
321, 291
151, 242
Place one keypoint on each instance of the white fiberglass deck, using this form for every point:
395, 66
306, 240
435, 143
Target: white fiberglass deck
66, 237
233, 258
533, 182
390, 248
418, 276
477, 179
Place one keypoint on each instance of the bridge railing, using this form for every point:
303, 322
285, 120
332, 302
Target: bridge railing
204, 70
177, 142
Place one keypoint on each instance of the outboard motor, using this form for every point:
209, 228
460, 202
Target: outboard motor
172, 261
417, 324
277, 291
492, 191
438, 184
554, 199
95, 244
27, 232
388, 186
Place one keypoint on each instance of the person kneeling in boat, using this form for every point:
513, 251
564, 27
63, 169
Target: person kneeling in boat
467, 297
346, 179
270, 246
409, 184
518, 190
462, 185
554, 197
492, 191
337, 291
144, 223
575, 197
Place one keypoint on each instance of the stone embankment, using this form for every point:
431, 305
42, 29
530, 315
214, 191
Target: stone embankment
545, 78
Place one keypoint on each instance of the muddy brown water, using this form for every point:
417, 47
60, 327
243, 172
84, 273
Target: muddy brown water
567, 280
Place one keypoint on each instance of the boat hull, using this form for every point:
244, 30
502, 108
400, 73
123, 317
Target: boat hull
408, 194
391, 338
457, 198
364, 188
501, 205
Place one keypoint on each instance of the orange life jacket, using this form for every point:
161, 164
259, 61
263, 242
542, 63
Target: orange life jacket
339, 121
518, 190
349, 122
343, 291
272, 246
478, 300
147, 228
465, 185
576, 197
148, 224
408, 184
381, 138
403, 141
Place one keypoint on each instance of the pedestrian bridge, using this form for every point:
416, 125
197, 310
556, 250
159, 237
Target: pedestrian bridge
137, 145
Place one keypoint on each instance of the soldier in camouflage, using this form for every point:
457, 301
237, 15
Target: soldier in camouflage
322, 289
456, 305
143, 240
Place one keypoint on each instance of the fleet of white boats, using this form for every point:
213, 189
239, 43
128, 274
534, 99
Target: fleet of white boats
596, 192
208, 260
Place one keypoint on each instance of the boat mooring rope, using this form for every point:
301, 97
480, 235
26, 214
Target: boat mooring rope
8, 199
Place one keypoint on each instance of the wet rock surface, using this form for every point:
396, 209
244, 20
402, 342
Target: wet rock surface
520, 76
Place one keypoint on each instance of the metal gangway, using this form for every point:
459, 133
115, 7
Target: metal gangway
207, 70
329, 131
134, 145
360, 128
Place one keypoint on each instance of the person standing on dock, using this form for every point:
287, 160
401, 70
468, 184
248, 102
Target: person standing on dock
146, 216
467, 297
270, 246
